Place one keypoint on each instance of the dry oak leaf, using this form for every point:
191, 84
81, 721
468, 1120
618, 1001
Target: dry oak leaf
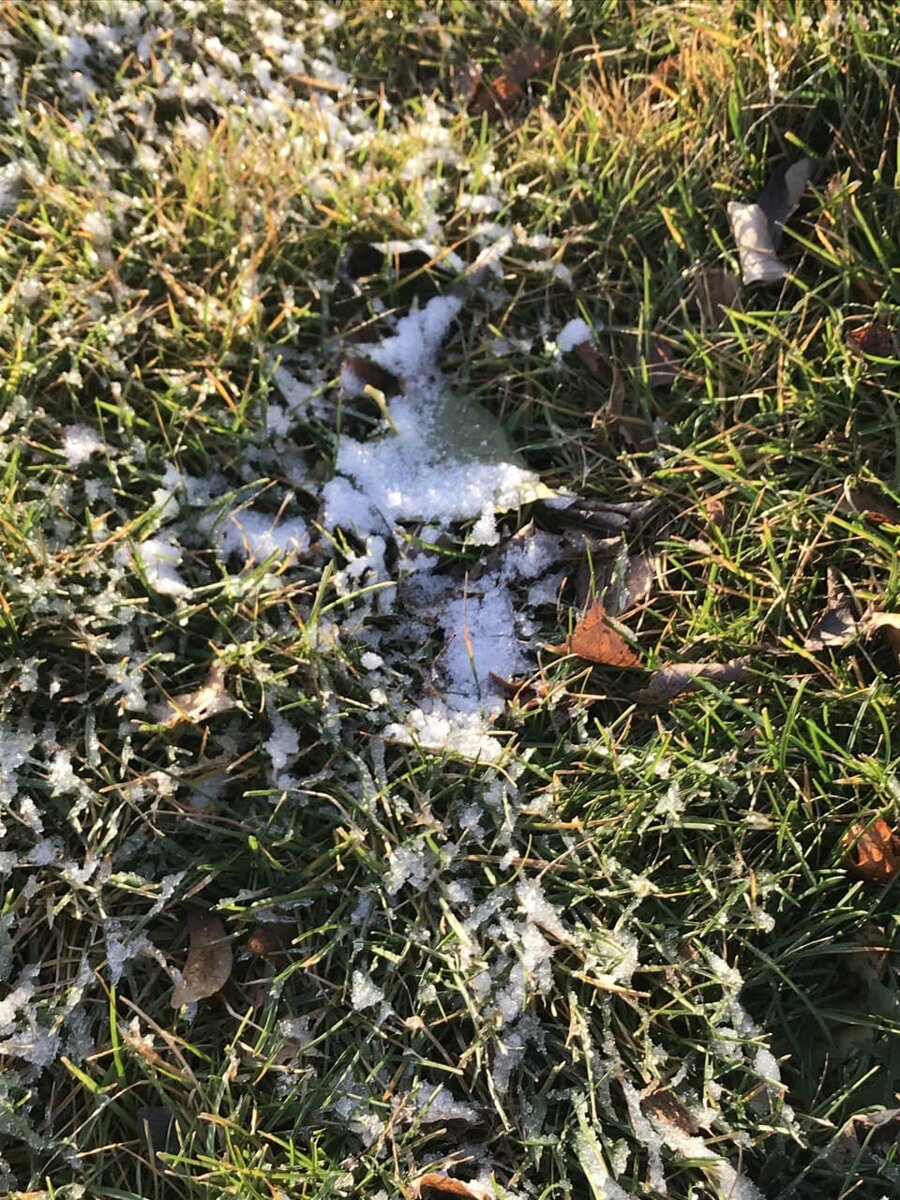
446, 1185
264, 942
503, 93
208, 965
668, 683
597, 640
873, 852
660, 356
889, 622
874, 508
210, 698
875, 338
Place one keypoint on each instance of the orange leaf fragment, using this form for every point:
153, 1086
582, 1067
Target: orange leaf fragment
875, 338
873, 853
596, 639
446, 1185
264, 942
503, 93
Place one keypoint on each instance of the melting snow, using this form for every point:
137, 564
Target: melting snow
79, 442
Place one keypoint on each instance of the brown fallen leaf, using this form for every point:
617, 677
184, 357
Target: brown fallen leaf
264, 942
873, 507
446, 1185
833, 628
714, 292
364, 373
660, 356
525, 694
587, 352
159, 1132
836, 625
875, 338
713, 508
873, 852
877, 1130
668, 683
360, 260
664, 1104
208, 699
595, 639
889, 623
499, 97
208, 964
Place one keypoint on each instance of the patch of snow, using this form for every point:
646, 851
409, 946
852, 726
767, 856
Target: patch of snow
256, 536
79, 442
466, 734
364, 992
573, 333
160, 558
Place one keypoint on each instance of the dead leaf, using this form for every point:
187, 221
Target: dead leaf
668, 683
875, 338
714, 292
833, 628
758, 228
782, 193
208, 964
587, 352
873, 852
750, 230
361, 260
264, 942
596, 640
889, 622
877, 1129
364, 373
499, 97
208, 700
592, 516
664, 1104
445, 1185
874, 508
660, 356
639, 579
467, 80
868, 961
714, 510
159, 1132
525, 694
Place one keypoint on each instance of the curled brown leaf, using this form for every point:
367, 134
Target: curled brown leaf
208, 964
873, 852
668, 683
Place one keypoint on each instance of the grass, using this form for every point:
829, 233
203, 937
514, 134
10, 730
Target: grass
168, 236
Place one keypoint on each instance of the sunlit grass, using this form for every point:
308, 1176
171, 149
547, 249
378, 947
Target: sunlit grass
158, 260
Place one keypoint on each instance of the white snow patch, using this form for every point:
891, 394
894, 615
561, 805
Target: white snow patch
573, 333
411, 473
257, 536
364, 992
160, 558
79, 442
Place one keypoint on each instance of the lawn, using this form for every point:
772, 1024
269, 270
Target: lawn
386, 418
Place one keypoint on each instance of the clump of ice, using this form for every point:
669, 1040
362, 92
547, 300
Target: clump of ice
160, 558
408, 864
439, 1104
364, 992
79, 442
257, 536
440, 460
574, 333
